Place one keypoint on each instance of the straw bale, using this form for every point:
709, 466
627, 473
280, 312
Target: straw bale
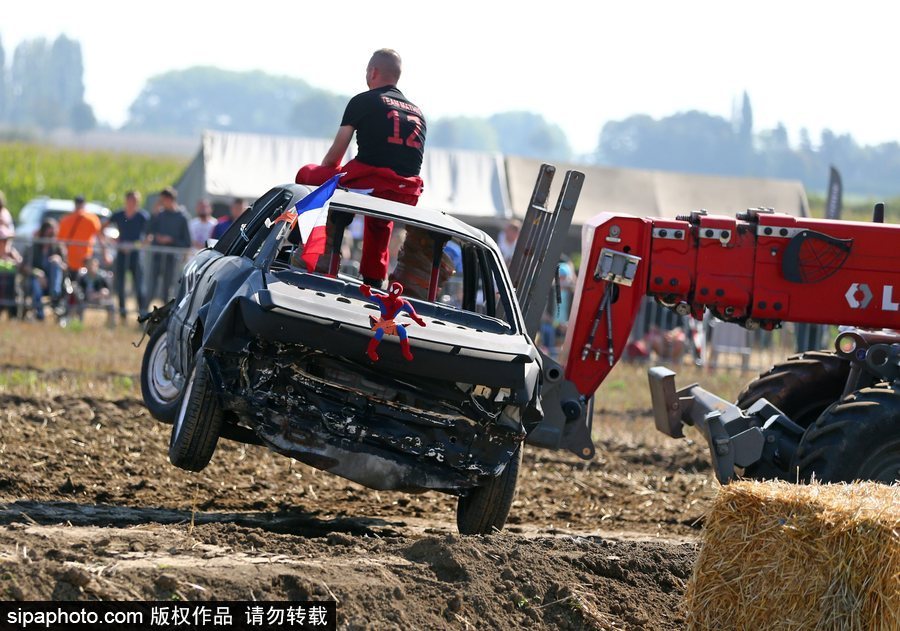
783, 556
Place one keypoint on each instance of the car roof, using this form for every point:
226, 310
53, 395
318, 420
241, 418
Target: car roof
68, 205
406, 213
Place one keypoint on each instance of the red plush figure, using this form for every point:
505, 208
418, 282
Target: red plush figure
390, 305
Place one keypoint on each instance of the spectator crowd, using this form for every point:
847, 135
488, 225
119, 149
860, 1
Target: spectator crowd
121, 264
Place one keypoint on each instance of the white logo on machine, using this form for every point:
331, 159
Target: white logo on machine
887, 297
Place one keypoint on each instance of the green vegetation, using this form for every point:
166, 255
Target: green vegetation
857, 208
32, 170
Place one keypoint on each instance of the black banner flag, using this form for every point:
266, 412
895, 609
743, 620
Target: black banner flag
835, 192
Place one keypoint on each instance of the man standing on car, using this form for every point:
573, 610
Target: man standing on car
169, 229
131, 221
390, 137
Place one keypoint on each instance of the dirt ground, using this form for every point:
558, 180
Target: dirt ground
90, 508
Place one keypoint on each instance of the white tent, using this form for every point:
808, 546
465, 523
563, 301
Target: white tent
468, 184
657, 193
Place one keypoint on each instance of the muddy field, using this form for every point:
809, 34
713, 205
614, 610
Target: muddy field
90, 508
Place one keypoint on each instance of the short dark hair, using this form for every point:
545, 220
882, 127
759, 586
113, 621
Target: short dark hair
135, 194
169, 192
49, 222
388, 61
79, 199
238, 200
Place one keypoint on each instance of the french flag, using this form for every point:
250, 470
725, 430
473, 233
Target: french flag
312, 214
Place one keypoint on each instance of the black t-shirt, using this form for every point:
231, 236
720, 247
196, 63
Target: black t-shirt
390, 131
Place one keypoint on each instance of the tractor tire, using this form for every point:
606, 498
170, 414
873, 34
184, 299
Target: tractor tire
801, 387
485, 508
161, 387
857, 438
196, 429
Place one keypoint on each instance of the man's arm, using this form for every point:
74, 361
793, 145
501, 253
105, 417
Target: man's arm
339, 147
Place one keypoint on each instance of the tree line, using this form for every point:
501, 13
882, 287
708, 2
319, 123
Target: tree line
43, 89
698, 142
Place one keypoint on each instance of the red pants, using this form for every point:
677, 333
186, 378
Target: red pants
385, 184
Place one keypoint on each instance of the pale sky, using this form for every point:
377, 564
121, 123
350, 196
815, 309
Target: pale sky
806, 64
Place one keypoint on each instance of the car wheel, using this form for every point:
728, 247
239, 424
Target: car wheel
196, 429
484, 509
161, 385
857, 438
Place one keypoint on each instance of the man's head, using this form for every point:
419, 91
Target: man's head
237, 207
132, 201
93, 265
168, 196
512, 229
203, 209
79, 202
383, 69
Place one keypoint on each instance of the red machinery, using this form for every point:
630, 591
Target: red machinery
757, 269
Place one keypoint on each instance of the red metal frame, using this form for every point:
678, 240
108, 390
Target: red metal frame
734, 267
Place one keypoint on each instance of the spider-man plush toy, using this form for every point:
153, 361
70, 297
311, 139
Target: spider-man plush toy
390, 305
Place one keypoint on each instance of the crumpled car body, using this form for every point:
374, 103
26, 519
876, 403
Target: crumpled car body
285, 351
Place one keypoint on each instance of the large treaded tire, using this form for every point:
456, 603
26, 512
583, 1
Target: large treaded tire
484, 509
801, 387
196, 429
857, 438
159, 386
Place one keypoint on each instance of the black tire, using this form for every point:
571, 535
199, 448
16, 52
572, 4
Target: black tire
857, 438
161, 387
801, 387
485, 508
196, 429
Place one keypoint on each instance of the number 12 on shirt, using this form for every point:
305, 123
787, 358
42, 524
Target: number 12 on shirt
413, 139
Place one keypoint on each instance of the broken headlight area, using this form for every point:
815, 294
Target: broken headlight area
367, 426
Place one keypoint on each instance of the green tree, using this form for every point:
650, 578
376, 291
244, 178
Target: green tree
32, 104
4, 85
47, 84
528, 134
693, 141
745, 129
66, 78
185, 102
318, 115
463, 132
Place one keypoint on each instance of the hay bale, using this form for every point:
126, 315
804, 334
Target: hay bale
785, 556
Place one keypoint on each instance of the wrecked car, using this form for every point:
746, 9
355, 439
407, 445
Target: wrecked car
258, 349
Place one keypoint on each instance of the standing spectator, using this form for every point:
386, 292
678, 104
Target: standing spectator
237, 209
507, 239
43, 267
131, 222
202, 225
9, 265
5, 216
78, 230
169, 229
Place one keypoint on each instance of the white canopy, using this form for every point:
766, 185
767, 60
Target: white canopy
467, 184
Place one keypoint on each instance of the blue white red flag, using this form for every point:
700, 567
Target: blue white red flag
312, 214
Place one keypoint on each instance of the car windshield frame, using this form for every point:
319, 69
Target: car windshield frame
265, 250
